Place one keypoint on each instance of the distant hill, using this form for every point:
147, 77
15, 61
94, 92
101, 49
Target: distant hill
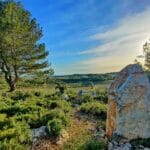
86, 79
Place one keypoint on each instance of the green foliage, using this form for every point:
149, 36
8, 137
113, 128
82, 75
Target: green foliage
86, 98
18, 136
86, 79
57, 114
94, 108
140, 141
93, 144
78, 142
18, 95
146, 49
20, 51
84, 142
75, 99
60, 88
19, 115
54, 127
5, 122
37, 94
102, 96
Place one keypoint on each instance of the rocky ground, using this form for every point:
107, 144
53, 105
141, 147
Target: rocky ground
80, 124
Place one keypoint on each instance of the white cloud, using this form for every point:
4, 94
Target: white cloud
120, 44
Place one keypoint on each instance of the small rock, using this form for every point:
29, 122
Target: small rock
115, 143
91, 129
38, 133
127, 146
110, 146
146, 148
116, 146
141, 147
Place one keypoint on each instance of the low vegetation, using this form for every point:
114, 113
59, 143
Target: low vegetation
95, 109
140, 141
19, 113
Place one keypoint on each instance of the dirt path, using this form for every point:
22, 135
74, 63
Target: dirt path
79, 126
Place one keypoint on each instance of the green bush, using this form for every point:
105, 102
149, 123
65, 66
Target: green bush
54, 127
5, 122
75, 99
8, 133
86, 98
18, 137
3, 117
58, 114
37, 94
20, 95
94, 108
102, 97
94, 145
33, 120
18, 109
20, 113
12, 144
145, 142
19, 130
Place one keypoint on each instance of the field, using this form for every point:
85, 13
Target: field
60, 107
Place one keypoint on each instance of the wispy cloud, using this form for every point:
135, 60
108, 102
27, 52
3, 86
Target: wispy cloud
119, 45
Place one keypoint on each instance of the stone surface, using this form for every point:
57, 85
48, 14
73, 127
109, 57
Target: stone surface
38, 133
129, 104
117, 146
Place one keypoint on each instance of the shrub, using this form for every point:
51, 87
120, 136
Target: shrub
3, 117
54, 127
33, 120
12, 144
53, 105
61, 104
58, 114
74, 99
12, 110
86, 98
18, 115
145, 142
94, 145
18, 109
17, 137
4, 121
37, 94
78, 141
8, 133
94, 108
20, 95
102, 97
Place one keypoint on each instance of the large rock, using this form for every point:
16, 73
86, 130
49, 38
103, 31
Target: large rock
129, 104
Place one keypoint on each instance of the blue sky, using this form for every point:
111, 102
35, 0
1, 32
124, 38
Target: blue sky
91, 36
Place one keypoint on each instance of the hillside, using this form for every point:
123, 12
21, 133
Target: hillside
86, 79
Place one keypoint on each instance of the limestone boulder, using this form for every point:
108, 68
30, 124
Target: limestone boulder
129, 104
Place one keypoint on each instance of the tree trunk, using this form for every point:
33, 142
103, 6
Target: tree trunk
12, 84
11, 87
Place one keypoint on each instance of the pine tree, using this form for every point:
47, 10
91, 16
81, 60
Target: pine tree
21, 53
146, 48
